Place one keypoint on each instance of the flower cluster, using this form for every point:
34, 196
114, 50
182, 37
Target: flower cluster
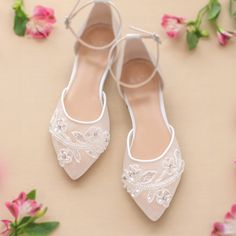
174, 25
26, 211
228, 227
38, 26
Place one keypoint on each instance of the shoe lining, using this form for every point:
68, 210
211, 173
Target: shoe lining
152, 135
83, 99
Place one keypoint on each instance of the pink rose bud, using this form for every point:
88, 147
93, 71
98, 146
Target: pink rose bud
224, 36
172, 25
41, 23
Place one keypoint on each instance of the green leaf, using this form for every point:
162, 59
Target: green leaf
192, 40
232, 8
20, 23
31, 195
214, 11
41, 229
21, 18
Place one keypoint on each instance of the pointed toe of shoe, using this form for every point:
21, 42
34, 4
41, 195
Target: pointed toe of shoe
152, 184
155, 215
152, 211
74, 163
76, 170
73, 174
155, 207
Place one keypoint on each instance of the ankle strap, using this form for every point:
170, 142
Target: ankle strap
76, 9
141, 34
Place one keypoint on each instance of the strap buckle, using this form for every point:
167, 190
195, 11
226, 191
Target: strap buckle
77, 8
67, 22
71, 15
147, 34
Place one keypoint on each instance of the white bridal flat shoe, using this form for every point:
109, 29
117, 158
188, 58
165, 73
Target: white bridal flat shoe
80, 126
152, 164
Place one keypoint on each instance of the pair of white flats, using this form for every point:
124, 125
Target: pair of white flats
80, 126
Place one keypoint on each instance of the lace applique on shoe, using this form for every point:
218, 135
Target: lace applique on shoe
93, 141
153, 183
66, 156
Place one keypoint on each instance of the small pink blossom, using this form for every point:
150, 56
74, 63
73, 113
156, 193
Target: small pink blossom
26, 212
41, 23
172, 25
228, 227
22, 206
224, 36
6, 225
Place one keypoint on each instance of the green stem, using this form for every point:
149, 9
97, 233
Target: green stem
203, 11
211, 2
231, 6
217, 27
14, 233
15, 229
27, 223
201, 14
19, 2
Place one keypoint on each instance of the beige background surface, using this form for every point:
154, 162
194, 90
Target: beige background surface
200, 100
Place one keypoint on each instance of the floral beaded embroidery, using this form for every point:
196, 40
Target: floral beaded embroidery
66, 156
93, 141
154, 183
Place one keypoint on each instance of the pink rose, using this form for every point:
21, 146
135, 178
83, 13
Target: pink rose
172, 25
41, 23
